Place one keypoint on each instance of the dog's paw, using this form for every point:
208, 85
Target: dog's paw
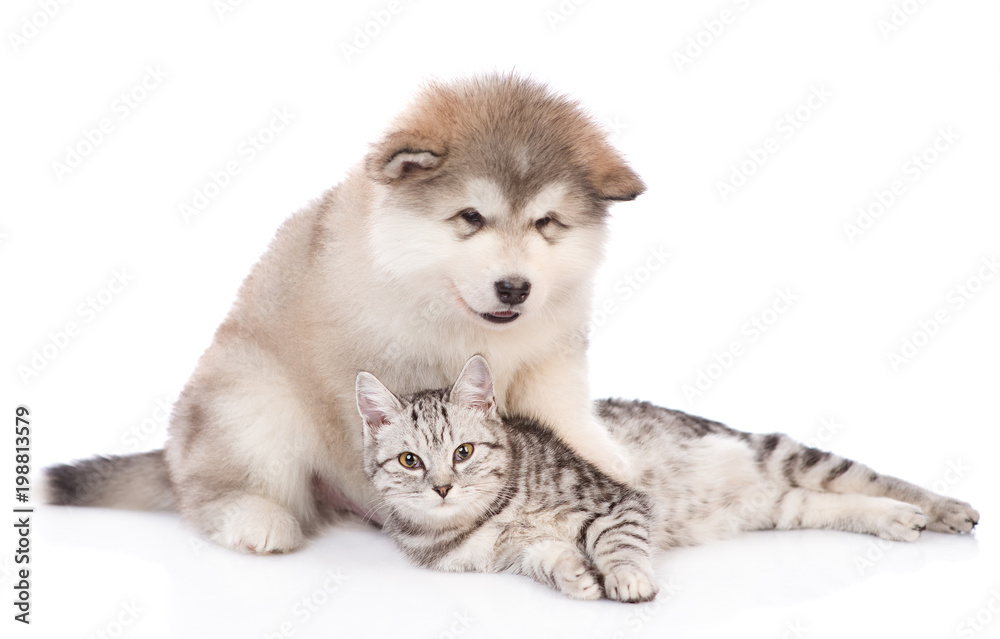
901, 522
574, 577
255, 524
951, 516
630, 584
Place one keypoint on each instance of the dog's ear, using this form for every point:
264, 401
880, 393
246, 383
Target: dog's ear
611, 177
404, 155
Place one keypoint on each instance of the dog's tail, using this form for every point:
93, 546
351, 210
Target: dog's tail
133, 482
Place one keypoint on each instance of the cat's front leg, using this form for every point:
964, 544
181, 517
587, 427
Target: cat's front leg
619, 544
558, 564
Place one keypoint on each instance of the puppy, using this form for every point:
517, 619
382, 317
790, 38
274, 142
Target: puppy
476, 225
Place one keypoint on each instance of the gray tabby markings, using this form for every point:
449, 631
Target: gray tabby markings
523, 502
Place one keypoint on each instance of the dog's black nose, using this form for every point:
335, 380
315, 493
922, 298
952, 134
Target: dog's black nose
513, 291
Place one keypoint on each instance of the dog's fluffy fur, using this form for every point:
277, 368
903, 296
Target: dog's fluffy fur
395, 272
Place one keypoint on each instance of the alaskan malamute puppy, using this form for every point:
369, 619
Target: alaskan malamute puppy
475, 226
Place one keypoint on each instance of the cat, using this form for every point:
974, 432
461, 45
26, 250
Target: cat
463, 488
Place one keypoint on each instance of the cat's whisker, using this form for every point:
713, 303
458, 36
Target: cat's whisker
371, 512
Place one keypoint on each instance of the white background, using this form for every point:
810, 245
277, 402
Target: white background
821, 372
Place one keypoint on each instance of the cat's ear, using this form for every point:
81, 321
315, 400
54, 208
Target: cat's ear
474, 387
376, 403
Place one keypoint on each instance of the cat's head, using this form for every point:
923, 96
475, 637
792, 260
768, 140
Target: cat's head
438, 458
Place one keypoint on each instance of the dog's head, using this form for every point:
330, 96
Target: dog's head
492, 198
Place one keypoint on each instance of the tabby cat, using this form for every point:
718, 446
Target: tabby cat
463, 488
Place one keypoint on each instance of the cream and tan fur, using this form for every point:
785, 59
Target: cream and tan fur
395, 271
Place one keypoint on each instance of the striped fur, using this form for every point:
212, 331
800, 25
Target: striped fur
523, 502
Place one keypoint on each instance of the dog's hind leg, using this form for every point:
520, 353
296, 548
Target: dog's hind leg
242, 455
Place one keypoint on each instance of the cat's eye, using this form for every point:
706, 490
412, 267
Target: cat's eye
543, 222
409, 460
463, 452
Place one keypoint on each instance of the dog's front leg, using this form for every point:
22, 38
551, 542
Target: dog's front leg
557, 393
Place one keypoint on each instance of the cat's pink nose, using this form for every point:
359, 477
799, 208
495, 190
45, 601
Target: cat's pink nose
442, 490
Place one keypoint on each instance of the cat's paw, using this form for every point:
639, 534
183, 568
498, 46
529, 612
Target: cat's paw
630, 584
901, 522
255, 524
951, 516
574, 577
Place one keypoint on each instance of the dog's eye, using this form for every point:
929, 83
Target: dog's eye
473, 217
543, 222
